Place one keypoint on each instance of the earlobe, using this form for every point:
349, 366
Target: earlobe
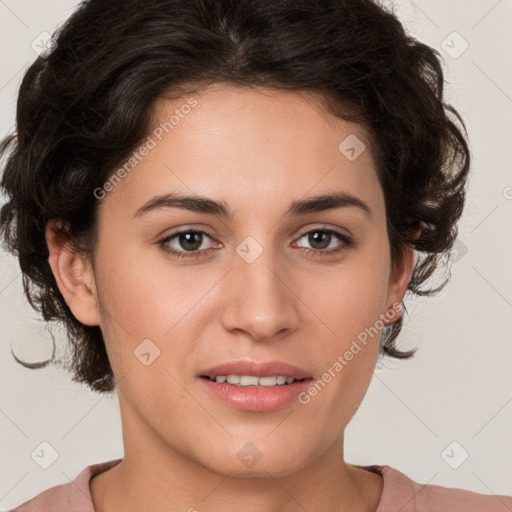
74, 275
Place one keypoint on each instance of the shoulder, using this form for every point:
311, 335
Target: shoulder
74, 496
402, 493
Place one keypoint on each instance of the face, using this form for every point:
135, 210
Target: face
249, 283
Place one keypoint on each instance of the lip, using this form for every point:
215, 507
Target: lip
255, 398
263, 369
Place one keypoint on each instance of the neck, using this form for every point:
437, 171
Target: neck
153, 476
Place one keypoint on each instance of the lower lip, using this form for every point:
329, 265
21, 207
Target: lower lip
256, 398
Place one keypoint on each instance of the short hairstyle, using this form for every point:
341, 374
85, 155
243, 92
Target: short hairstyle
86, 105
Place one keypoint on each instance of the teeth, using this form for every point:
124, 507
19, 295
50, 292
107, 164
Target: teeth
267, 381
246, 380
251, 380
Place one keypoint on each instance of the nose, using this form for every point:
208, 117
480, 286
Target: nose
259, 298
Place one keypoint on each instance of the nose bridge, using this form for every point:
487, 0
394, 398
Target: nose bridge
259, 276
260, 302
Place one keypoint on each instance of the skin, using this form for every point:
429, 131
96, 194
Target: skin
257, 150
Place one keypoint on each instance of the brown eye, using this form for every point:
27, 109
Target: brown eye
184, 244
325, 241
190, 241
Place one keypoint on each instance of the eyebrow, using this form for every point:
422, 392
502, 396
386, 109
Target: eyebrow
200, 204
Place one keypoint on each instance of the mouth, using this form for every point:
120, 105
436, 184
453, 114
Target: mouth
245, 372
253, 380
253, 386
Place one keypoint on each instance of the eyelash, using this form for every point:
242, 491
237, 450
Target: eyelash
347, 242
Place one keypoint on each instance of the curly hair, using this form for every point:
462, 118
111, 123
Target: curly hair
83, 107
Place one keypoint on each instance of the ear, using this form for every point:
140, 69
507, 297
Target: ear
74, 275
399, 280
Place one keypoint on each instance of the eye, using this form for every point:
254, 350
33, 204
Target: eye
188, 243
326, 241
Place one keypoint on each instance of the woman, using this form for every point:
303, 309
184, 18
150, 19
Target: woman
224, 202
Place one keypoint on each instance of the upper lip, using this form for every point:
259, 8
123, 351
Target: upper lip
256, 369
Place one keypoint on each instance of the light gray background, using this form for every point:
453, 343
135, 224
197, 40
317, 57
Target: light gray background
458, 387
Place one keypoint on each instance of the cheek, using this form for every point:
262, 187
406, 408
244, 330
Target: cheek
349, 298
130, 303
140, 292
350, 304
144, 298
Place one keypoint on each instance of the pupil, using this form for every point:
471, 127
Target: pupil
187, 241
313, 238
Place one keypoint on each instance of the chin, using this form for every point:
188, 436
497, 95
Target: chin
250, 462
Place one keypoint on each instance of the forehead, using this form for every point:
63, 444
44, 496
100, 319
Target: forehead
258, 111
251, 146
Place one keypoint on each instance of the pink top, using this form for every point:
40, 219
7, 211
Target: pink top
399, 493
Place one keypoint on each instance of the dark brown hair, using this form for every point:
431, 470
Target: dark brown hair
83, 108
